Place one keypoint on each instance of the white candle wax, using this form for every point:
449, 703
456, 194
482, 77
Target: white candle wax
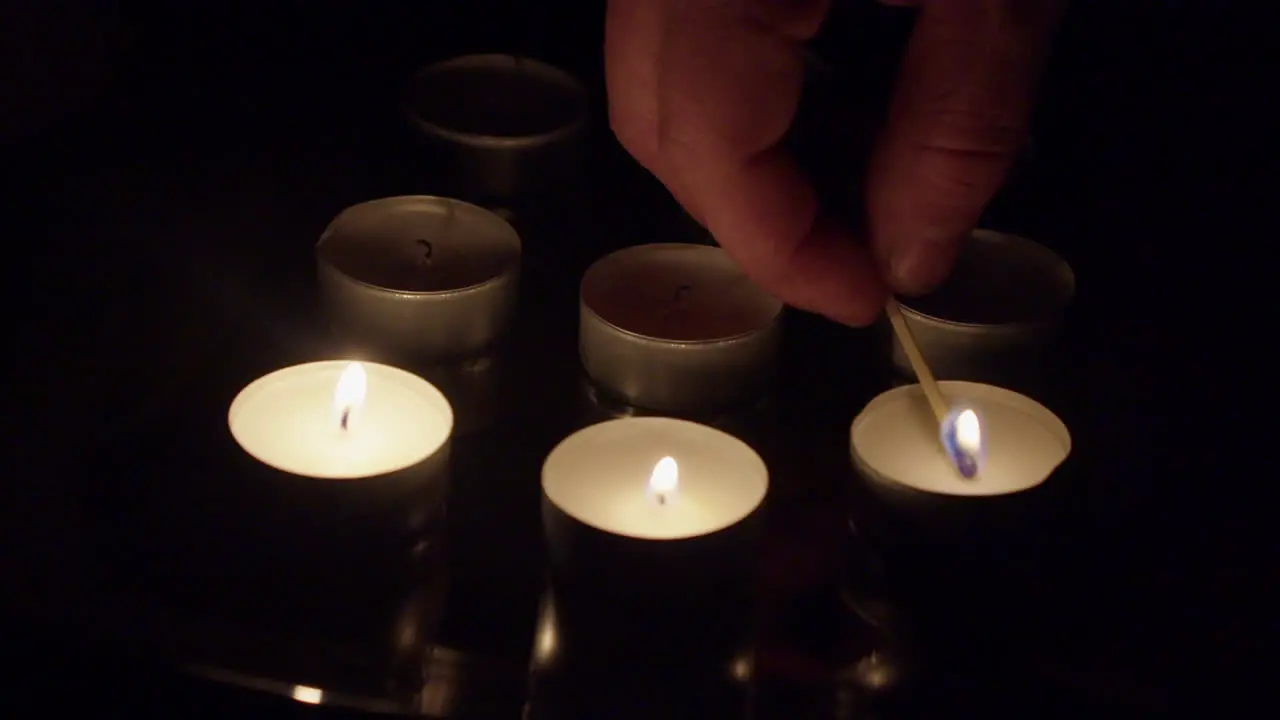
291, 420
895, 438
705, 481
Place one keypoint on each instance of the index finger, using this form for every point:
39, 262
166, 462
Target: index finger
730, 83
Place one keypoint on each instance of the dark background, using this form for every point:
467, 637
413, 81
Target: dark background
161, 161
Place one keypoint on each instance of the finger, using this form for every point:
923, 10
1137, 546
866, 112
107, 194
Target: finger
957, 121
729, 89
633, 47
633, 41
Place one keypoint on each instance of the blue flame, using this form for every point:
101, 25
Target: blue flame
968, 460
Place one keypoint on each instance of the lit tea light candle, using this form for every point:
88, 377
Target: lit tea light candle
676, 327
622, 477
1004, 441
652, 523
341, 420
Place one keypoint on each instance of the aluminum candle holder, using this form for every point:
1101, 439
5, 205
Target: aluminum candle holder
677, 328
499, 127
996, 315
420, 277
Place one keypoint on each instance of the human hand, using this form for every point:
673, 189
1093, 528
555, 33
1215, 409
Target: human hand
701, 93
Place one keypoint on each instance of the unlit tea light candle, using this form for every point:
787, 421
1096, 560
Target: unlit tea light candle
501, 127
676, 327
999, 308
895, 440
340, 420
420, 276
653, 478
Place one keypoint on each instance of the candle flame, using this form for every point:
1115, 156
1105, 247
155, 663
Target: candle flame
962, 438
968, 432
664, 480
348, 394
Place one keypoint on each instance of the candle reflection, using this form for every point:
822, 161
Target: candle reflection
309, 695
546, 644
577, 677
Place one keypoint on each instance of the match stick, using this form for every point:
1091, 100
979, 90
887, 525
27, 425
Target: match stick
918, 365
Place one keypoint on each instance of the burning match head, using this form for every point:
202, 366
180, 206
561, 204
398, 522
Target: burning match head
961, 435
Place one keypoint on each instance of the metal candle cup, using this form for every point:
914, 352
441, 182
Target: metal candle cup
499, 126
420, 277
677, 328
652, 527
999, 310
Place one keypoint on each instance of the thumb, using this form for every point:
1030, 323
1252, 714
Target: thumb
957, 122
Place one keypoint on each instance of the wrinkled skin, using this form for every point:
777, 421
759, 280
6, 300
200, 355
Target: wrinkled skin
701, 93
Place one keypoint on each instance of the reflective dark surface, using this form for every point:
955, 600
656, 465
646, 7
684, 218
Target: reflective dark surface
166, 234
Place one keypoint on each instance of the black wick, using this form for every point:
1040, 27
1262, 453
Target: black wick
427, 250
662, 499
346, 418
680, 292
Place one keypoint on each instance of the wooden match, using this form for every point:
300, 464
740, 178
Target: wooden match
918, 365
